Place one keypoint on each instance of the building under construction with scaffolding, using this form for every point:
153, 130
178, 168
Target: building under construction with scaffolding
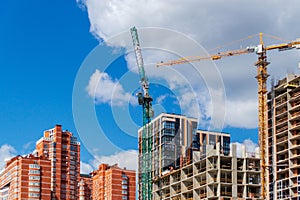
284, 139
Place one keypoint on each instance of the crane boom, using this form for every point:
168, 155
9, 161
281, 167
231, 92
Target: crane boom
261, 77
139, 59
145, 139
209, 57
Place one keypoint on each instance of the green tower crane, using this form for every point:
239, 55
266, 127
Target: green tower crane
145, 139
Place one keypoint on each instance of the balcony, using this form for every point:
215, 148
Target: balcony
294, 94
226, 180
281, 120
295, 135
284, 128
281, 139
280, 111
226, 193
280, 101
295, 104
282, 150
253, 195
295, 114
295, 144
295, 126
295, 153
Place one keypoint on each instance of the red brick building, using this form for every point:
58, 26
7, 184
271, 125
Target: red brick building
113, 183
85, 187
26, 177
63, 151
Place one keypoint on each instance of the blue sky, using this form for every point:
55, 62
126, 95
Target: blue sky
42, 45
49, 51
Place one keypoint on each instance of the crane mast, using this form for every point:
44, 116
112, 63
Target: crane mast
261, 77
145, 140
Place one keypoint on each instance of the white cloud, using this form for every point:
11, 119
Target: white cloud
236, 111
247, 145
211, 23
6, 152
85, 168
106, 90
161, 98
128, 159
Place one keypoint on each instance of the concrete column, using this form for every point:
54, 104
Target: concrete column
234, 171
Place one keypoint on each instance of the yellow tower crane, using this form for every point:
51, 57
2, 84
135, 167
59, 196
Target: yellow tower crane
262, 76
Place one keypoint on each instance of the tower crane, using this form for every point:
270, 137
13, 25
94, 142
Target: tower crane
262, 76
145, 140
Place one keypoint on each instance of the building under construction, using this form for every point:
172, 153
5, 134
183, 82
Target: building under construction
284, 139
175, 139
213, 175
171, 135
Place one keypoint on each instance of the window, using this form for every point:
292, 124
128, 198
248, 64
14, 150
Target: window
34, 178
124, 197
212, 139
124, 181
34, 189
124, 191
226, 145
53, 144
34, 183
34, 166
33, 194
34, 171
124, 186
73, 148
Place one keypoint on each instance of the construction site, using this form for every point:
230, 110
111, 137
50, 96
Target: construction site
178, 161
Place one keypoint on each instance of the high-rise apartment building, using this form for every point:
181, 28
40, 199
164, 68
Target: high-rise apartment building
26, 177
172, 137
85, 187
205, 138
215, 176
175, 138
284, 139
113, 183
63, 150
